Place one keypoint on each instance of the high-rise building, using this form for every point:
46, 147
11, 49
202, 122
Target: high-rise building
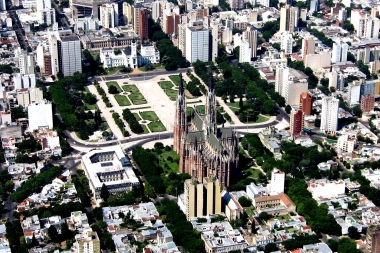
3, 6
250, 35
25, 62
372, 26
87, 242
197, 44
109, 15
277, 183
314, 5
373, 239
244, 52
128, 13
236, 4
45, 13
306, 103
202, 198
308, 46
170, 24
288, 85
140, 21
156, 10
339, 52
214, 40
365, 25
40, 115
204, 150
287, 19
287, 43
182, 38
71, 55
367, 103
282, 76
329, 115
296, 122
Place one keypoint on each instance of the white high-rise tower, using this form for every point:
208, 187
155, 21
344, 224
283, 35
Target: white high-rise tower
329, 115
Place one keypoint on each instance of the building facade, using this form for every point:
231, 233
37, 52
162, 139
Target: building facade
109, 15
197, 44
306, 103
287, 19
329, 115
367, 103
373, 239
40, 115
204, 150
296, 122
339, 52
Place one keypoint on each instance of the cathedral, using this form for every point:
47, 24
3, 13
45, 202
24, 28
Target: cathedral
204, 149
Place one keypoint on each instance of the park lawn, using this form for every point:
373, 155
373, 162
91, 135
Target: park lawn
164, 160
91, 107
165, 85
260, 119
115, 84
136, 96
149, 115
130, 88
250, 211
176, 80
255, 173
172, 94
137, 116
201, 109
139, 102
146, 130
156, 126
122, 100
111, 71
189, 110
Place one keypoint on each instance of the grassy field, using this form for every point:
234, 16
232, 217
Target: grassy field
111, 71
130, 88
149, 115
165, 85
189, 110
146, 130
201, 109
91, 107
175, 79
115, 84
156, 126
260, 119
137, 116
170, 158
137, 98
250, 211
172, 94
122, 100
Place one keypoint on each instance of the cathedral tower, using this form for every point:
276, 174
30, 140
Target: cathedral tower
180, 122
211, 106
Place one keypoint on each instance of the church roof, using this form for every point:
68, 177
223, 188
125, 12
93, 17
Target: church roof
215, 144
198, 121
128, 51
226, 132
195, 136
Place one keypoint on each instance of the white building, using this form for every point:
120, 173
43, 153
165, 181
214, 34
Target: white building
109, 15
129, 57
24, 81
354, 93
40, 115
250, 35
277, 183
29, 96
365, 25
324, 188
110, 167
339, 52
346, 143
197, 44
71, 55
25, 62
287, 43
282, 75
244, 52
329, 115
290, 84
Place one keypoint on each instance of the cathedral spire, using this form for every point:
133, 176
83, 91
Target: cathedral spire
180, 84
211, 83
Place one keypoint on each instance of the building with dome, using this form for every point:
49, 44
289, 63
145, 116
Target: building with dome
129, 57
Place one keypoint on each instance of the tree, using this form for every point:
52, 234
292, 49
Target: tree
104, 193
53, 233
89, 99
265, 216
357, 111
245, 202
112, 89
270, 247
353, 233
148, 190
288, 109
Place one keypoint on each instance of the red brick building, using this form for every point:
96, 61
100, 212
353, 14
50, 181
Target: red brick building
204, 149
143, 24
296, 122
306, 103
367, 103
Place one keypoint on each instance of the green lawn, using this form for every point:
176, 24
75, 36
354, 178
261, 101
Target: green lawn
250, 211
201, 109
261, 119
170, 158
165, 85
130, 88
122, 100
189, 110
111, 71
172, 94
175, 79
115, 84
255, 173
137, 98
91, 107
137, 117
149, 115
156, 126
146, 130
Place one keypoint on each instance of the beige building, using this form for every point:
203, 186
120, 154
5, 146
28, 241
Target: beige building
279, 204
287, 19
87, 243
202, 198
318, 61
127, 13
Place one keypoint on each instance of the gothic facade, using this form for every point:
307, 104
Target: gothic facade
204, 149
